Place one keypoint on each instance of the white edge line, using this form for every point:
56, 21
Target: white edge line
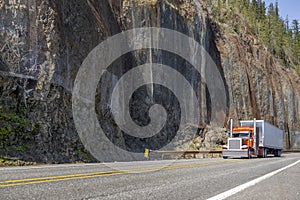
244, 186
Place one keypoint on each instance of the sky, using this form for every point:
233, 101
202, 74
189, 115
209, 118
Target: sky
287, 7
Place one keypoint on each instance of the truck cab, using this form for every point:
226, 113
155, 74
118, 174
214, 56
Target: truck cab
241, 142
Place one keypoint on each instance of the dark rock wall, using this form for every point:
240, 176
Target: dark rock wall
43, 44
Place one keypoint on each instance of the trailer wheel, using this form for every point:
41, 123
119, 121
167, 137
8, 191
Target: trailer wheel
277, 153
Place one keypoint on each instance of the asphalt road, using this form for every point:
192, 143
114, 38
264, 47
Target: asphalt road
182, 179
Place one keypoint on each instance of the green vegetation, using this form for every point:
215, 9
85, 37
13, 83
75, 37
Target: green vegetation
280, 36
7, 161
14, 131
85, 156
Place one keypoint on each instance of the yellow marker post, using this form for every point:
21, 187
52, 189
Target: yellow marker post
146, 154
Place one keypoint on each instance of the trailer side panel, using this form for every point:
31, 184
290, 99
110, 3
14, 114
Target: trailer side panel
272, 137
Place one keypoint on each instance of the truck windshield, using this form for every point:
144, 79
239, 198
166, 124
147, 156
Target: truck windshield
241, 135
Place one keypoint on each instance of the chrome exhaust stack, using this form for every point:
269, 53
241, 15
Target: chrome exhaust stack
231, 127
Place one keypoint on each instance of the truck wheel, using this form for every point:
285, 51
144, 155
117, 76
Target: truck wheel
249, 155
225, 157
265, 152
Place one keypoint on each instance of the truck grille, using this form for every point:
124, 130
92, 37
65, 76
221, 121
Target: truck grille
234, 144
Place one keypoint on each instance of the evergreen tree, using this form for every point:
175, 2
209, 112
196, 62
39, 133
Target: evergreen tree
276, 10
295, 28
296, 41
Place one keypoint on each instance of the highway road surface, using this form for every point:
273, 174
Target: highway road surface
264, 178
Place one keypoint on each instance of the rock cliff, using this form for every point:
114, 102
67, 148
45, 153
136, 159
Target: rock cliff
43, 44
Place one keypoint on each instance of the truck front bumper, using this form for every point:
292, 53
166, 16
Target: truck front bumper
235, 153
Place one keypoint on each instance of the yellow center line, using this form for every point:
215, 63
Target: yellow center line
49, 179
60, 177
87, 174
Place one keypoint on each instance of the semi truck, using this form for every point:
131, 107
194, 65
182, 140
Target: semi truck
253, 138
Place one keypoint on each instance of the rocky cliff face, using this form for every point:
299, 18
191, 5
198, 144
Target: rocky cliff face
259, 87
43, 44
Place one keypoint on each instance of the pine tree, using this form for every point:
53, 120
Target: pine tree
296, 41
276, 10
295, 28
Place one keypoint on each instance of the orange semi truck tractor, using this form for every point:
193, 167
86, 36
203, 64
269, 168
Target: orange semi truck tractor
253, 138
